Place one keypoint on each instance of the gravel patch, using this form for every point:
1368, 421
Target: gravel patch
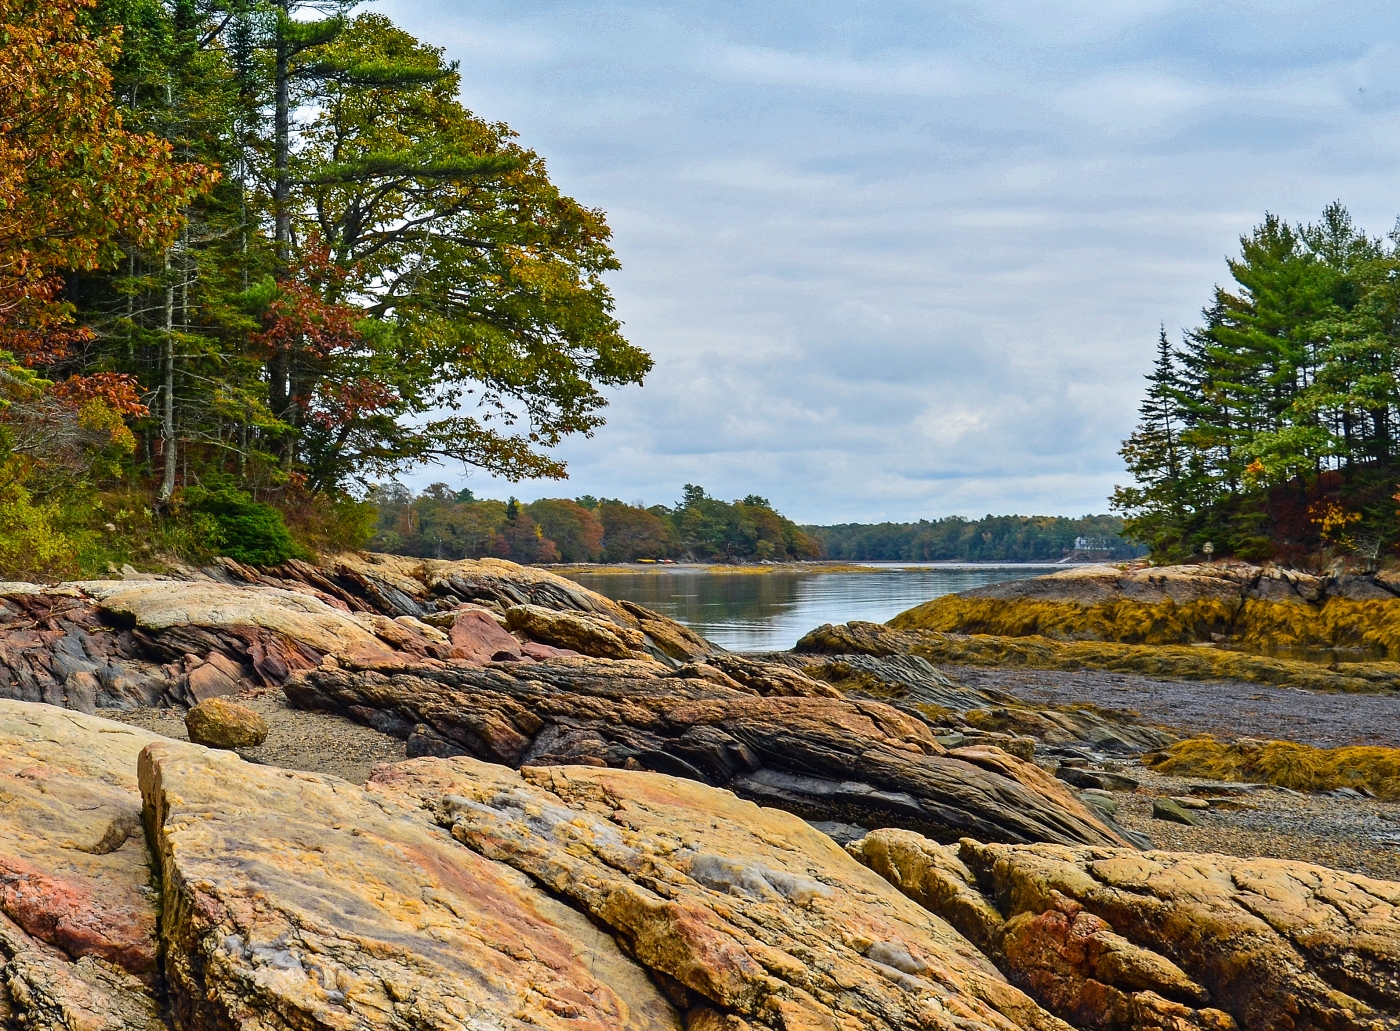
1228, 709
312, 741
1356, 834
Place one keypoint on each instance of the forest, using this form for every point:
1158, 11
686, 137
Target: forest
989, 539
1273, 430
254, 256
442, 523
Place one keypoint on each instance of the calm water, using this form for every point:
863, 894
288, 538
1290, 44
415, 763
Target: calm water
770, 611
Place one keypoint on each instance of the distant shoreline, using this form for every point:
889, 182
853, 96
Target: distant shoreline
620, 568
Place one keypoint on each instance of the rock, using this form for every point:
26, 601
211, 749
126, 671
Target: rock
78, 945
1189, 802
176, 641
826, 759
853, 638
1171, 810
1101, 779
1124, 941
73, 871
675, 639
567, 630
477, 637
1276, 944
298, 901
41, 989
746, 910
1084, 972
219, 723
933, 876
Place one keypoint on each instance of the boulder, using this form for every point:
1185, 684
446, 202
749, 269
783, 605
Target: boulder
853, 638
576, 633
674, 639
1120, 940
1172, 811
825, 758
220, 723
744, 910
298, 901
477, 637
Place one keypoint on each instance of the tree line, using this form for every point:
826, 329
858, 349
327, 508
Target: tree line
1273, 430
257, 254
989, 539
442, 523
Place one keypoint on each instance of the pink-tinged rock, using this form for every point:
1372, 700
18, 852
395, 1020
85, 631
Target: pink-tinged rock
73, 862
296, 901
478, 638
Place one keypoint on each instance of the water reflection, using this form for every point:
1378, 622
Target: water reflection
770, 611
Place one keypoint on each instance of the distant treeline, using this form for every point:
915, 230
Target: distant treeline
442, 523
989, 539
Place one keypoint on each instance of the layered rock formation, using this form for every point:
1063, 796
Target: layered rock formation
150, 885
211, 632
826, 758
872, 660
1117, 940
1224, 581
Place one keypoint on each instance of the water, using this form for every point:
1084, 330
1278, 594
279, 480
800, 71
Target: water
770, 611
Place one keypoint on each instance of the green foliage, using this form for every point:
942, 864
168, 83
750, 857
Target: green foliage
990, 539
442, 524
1271, 433
243, 529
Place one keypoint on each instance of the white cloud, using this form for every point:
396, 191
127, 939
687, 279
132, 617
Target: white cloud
907, 259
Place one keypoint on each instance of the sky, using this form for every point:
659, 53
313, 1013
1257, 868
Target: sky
907, 260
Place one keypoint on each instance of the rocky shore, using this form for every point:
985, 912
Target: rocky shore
488, 797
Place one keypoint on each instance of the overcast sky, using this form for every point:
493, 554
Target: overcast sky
902, 260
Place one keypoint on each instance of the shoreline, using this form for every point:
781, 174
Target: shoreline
810, 568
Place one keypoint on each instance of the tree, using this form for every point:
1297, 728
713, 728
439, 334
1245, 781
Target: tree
1278, 420
575, 531
73, 182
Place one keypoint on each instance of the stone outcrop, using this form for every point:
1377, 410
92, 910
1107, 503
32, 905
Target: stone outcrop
179, 640
870, 660
1111, 939
826, 758
744, 909
78, 944
220, 723
294, 901
1223, 581
153, 885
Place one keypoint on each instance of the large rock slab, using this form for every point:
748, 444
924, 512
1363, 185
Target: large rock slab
746, 910
78, 915
182, 639
297, 901
1121, 940
827, 759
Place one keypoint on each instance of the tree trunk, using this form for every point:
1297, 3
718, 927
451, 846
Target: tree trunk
279, 360
167, 426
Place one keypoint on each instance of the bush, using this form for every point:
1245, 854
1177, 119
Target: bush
245, 530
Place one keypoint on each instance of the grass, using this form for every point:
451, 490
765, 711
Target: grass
1372, 626
1181, 662
1289, 765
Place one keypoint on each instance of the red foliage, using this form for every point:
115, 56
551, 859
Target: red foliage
117, 390
35, 326
340, 403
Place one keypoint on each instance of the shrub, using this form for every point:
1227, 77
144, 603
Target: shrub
244, 529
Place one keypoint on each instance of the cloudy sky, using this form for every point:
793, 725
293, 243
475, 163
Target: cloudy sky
908, 259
